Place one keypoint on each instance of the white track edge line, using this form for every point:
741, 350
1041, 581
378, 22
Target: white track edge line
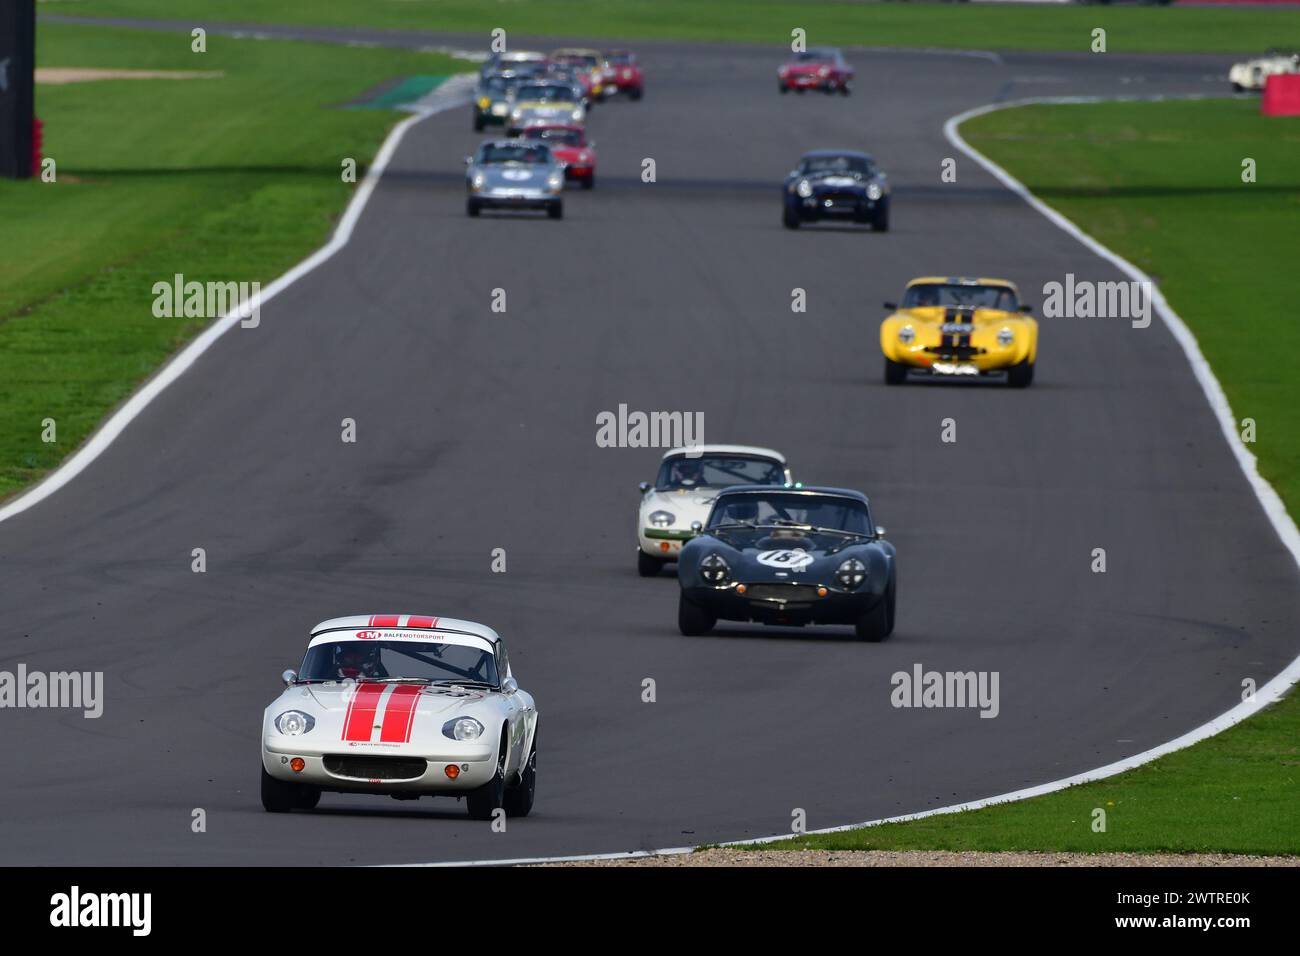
118, 421
1268, 498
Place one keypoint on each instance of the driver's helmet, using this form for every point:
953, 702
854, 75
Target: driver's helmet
688, 471
744, 508
355, 660
927, 295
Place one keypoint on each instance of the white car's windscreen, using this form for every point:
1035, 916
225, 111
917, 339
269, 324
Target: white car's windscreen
435, 663
718, 471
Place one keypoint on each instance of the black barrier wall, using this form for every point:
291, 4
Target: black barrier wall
17, 67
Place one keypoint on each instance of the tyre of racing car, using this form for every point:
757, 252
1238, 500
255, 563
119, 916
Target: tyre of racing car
784, 89
874, 625
889, 604
471, 206
555, 210
589, 182
478, 123
306, 798
845, 90
635, 93
647, 565
790, 218
280, 796
519, 798
1021, 375
483, 801
881, 221
895, 372
693, 621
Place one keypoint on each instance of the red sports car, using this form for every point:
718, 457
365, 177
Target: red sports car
823, 70
569, 145
623, 73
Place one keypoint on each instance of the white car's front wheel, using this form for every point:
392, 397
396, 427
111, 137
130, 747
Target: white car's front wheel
647, 565
519, 798
280, 796
490, 797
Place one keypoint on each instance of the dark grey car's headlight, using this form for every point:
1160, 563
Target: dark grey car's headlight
874, 191
851, 573
294, 723
714, 569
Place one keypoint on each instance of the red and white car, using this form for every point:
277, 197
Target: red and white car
406, 706
623, 74
823, 69
569, 144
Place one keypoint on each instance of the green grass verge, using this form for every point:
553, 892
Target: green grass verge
228, 179
1160, 183
1012, 27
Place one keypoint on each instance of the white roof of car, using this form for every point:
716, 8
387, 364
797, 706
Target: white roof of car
728, 450
341, 626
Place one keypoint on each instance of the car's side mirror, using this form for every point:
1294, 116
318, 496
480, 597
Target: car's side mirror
880, 532
509, 685
468, 160
591, 145
289, 678
697, 526
1026, 308
890, 305
645, 487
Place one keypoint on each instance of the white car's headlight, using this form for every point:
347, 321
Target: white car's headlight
477, 182
577, 116
462, 728
294, 723
516, 114
874, 191
907, 335
662, 519
555, 182
1006, 336
714, 569
851, 573
804, 188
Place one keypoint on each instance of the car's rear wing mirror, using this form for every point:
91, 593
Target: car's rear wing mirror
645, 487
468, 160
1026, 308
697, 526
890, 305
880, 532
289, 678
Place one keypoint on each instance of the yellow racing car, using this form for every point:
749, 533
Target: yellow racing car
959, 327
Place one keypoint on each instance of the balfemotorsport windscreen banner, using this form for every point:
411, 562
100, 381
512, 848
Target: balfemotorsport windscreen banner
17, 64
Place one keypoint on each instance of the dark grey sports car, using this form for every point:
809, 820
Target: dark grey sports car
836, 184
789, 556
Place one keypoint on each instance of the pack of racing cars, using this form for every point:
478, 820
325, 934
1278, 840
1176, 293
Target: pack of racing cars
541, 101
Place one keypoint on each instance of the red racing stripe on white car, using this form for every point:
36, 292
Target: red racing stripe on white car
416, 620
384, 620
360, 719
399, 713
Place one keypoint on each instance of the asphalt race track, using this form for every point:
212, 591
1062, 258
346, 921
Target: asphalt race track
476, 431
